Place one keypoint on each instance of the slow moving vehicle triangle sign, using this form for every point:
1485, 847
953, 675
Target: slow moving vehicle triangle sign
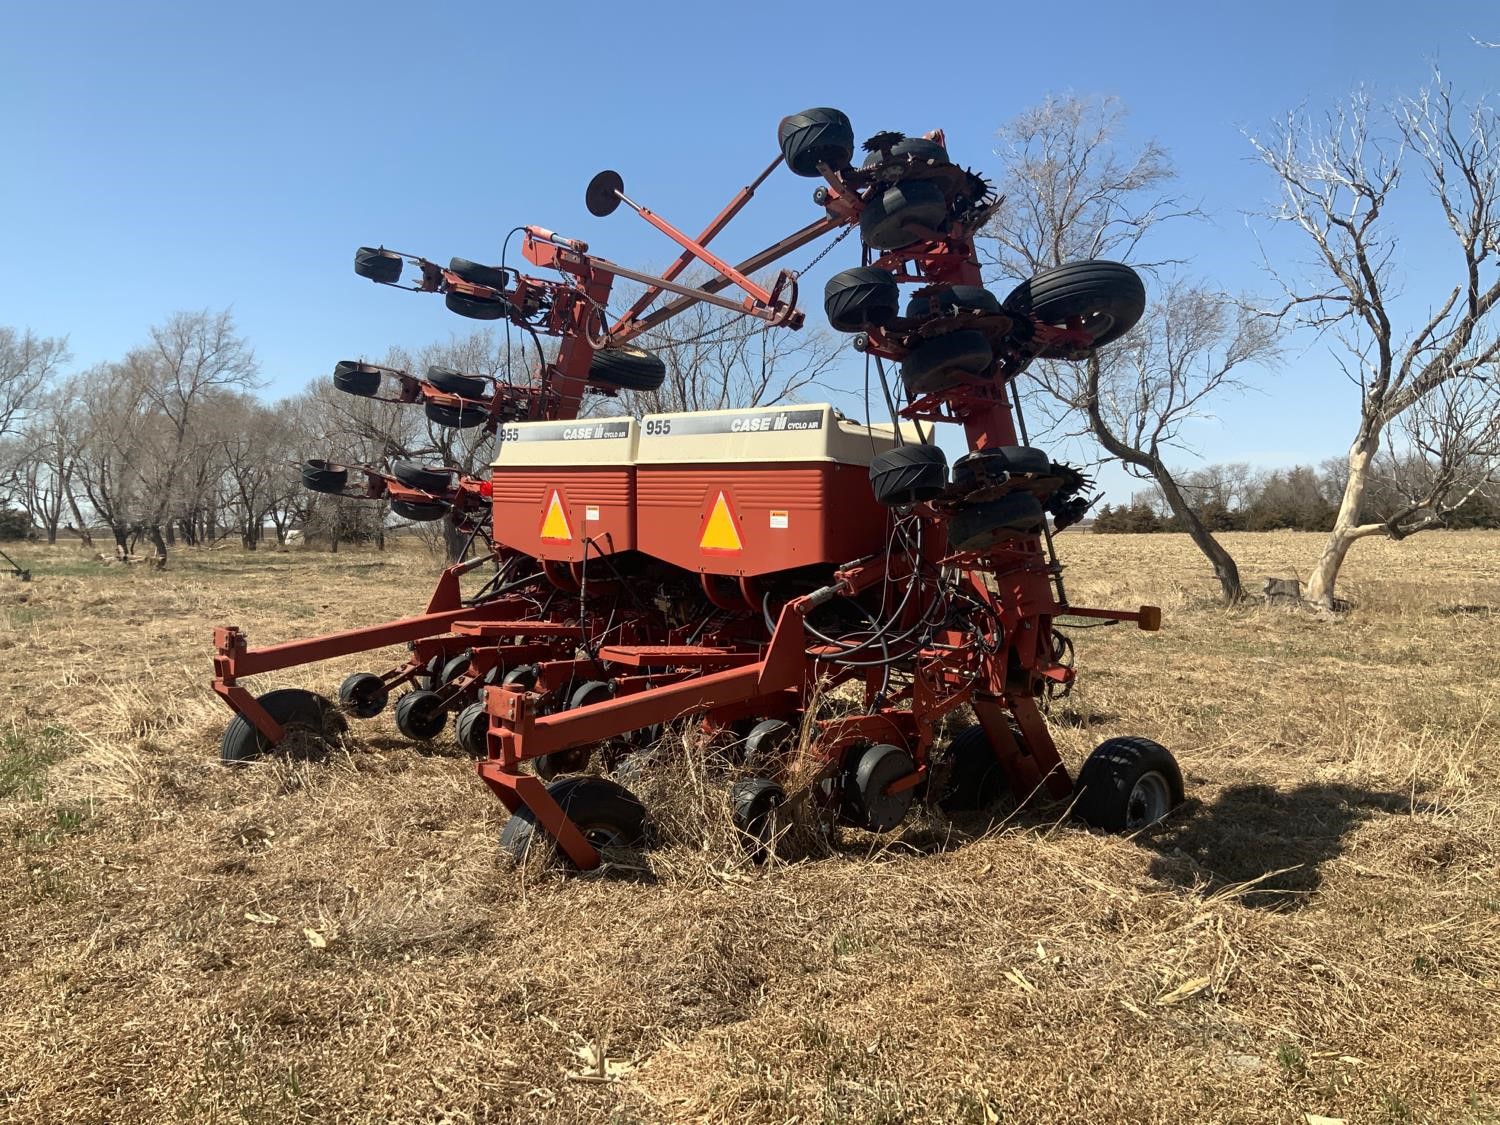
720, 535
555, 522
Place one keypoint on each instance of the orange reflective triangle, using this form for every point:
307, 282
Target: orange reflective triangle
721, 534
555, 522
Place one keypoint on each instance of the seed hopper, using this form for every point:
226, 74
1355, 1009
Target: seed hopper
733, 567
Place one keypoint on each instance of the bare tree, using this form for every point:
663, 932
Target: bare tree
27, 363
113, 450
1419, 364
1073, 190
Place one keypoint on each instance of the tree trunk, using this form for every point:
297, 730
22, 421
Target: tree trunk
1325, 575
122, 542
454, 540
1224, 566
79, 521
161, 546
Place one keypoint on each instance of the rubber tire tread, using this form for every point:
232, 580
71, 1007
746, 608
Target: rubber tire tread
455, 418
413, 475
1082, 288
418, 513
863, 297
817, 134
584, 799
936, 364
628, 368
242, 743
349, 700
411, 725
908, 474
976, 780
880, 222
476, 308
978, 527
476, 274
1112, 770
349, 377
324, 476
1004, 458
452, 382
950, 299
382, 266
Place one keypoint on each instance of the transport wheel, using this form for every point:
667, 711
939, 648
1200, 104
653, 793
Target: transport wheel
455, 667
475, 274
363, 695
975, 779
861, 298
912, 150
309, 720
420, 715
456, 417
951, 299
324, 476
986, 466
882, 223
608, 814
908, 474
418, 512
753, 805
1127, 784
1107, 296
378, 265
769, 745
476, 308
451, 381
813, 136
472, 730
866, 803
628, 367
937, 364
413, 475
356, 378
978, 527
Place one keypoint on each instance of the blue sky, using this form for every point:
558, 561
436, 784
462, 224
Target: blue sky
160, 157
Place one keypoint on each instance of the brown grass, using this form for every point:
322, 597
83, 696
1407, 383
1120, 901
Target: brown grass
1317, 933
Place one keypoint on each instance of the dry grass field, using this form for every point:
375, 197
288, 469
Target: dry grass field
1316, 933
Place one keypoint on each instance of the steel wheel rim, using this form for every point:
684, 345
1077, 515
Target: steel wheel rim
1150, 800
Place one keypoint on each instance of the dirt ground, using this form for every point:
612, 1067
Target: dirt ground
1316, 933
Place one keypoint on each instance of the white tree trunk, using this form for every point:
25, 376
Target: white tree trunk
1346, 527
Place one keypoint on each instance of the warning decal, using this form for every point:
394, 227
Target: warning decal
720, 534
555, 522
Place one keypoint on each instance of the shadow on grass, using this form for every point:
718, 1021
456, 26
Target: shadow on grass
1279, 839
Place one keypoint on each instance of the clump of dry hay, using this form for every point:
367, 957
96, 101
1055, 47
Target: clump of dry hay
301, 940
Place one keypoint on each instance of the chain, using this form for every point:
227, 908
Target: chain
824, 252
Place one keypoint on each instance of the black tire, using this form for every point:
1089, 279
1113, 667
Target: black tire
861, 298
769, 745
590, 692
937, 364
979, 527
413, 475
628, 367
355, 378
475, 274
324, 476
428, 679
454, 667
418, 512
1109, 297
523, 676
908, 474
866, 804
363, 695
299, 712
450, 381
987, 466
950, 299
472, 730
816, 135
753, 803
456, 417
378, 264
550, 766
608, 814
881, 224
476, 308
420, 715
1116, 791
910, 150
975, 780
